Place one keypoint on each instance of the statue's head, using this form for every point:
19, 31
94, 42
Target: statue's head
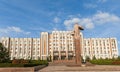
77, 26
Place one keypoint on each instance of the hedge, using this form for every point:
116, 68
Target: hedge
31, 63
17, 65
105, 62
10, 65
20, 61
41, 62
116, 62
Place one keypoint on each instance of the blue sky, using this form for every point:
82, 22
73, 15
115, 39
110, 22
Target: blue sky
27, 18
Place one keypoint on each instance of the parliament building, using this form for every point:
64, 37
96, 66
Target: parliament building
59, 45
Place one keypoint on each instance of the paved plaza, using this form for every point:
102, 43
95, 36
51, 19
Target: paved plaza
96, 68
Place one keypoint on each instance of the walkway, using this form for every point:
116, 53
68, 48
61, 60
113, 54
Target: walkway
96, 68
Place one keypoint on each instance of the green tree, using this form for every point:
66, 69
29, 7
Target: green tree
50, 58
82, 59
94, 58
118, 58
87, 58
4, 54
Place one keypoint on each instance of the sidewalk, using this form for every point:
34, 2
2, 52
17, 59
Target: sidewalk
96, 68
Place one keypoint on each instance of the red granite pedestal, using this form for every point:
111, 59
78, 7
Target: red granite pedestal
78, 47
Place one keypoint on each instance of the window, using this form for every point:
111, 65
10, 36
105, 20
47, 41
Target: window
105, 52
96, 43
88, 43
20, 50
38, 52
103, 42
15, 52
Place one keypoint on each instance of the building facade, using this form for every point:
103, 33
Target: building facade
100, 47
59, 45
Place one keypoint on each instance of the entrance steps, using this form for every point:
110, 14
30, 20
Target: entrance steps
61, 62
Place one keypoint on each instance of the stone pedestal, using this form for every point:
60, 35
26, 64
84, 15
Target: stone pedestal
77, 51
77, 41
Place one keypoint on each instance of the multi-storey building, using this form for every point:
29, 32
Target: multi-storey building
100, 47
44, 46
59, 45
25, 48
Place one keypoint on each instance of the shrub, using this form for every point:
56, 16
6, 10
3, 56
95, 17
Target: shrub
17, 65
40, 62
94, 58
116, 62
16, 61
4, 54
22, 61
101, 62
87, 58
10, 65
30, 65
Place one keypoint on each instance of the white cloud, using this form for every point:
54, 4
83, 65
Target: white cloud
27, 33
42, 29
102, 1
72, 16
12, 30
93, 5
87, 22
99, 18
55, 29
103, 17
56, 20
89, 5
69, 23
118, 42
